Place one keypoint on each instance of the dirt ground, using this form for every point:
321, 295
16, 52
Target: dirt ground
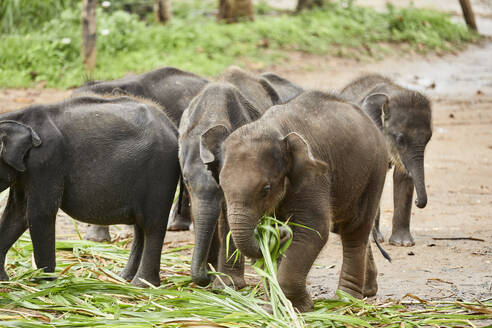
458, 167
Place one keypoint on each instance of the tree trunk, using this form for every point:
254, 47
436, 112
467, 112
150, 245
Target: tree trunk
162, 11
303, 4
89, 33
232, 10
468, 13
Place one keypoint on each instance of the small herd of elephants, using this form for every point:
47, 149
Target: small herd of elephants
238, 147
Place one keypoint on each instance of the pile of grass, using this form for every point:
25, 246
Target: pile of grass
88, 293
195, 41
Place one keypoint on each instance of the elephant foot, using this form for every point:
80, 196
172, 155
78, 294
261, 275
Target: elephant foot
126, 274
401, 238
351, 289
178, 223
370, 290
303, 304
137, 281
98, 233
229, 281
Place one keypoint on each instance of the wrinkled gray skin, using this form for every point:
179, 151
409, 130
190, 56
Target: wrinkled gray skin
171, 88
319, 161
220, 108
103, 161
407, 126
285, 89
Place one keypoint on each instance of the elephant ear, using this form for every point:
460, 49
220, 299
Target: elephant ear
210, 143
376, 106
304, 167
17, 140
272, 93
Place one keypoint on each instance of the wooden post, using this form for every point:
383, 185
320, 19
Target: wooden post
89, 36
162, 11
468, 14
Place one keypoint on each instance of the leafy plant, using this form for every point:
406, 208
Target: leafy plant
87, 292
195, 41
268, 234
28, 15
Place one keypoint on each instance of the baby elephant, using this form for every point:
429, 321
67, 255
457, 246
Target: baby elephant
319, 161
103, 160
405, 118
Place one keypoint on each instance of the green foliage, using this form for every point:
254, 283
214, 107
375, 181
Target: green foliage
27, 15
428, 28
195, 41
267, 233
89, 293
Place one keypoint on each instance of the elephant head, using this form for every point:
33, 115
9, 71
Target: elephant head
406, 122
258, 167
206, 203
16, 140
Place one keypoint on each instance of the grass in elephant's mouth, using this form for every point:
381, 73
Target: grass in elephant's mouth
88, 293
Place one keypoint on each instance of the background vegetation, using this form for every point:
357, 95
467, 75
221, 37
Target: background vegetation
43, 42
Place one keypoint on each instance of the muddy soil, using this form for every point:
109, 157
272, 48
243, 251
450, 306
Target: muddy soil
458, 174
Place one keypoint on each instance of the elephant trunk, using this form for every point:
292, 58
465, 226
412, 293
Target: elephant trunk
416, 168
205, 220
242, 229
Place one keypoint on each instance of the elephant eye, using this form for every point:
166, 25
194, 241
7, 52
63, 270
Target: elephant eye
265, 190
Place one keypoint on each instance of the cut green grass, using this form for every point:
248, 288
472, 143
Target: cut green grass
88, 293
195, 41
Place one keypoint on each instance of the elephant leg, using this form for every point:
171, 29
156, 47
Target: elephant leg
231, 266
370, 281
376, 232
41, 218
352, 275
356, 249
298, 260
135, 254
13, 223
98, 233
180, 220
402, 199
149, 267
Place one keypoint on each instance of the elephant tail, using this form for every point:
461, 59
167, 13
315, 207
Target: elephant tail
381, 249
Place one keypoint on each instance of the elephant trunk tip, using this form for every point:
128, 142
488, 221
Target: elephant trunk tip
421, 202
